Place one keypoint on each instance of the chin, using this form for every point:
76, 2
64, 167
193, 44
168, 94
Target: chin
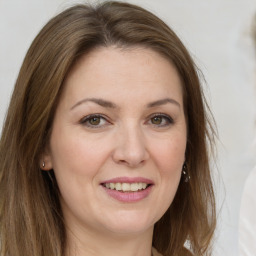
129, 223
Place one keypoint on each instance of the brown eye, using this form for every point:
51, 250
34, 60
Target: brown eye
161, 120
157, 120
94, 121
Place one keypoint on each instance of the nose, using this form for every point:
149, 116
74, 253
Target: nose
130, 147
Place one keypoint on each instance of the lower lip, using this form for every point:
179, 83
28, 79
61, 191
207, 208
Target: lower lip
128, 197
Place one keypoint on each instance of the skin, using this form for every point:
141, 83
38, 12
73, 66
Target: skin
126, 141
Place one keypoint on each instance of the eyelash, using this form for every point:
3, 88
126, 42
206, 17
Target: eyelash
168, 119
85, 120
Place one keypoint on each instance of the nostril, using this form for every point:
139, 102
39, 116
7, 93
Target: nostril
131, 163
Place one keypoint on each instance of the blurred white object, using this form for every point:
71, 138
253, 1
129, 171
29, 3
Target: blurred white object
247, 223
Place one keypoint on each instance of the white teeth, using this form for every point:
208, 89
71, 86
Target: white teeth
118, 186
134, 186
126, 186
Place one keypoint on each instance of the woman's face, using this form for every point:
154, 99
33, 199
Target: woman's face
118, 140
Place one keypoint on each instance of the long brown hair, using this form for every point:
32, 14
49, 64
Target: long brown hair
30, 214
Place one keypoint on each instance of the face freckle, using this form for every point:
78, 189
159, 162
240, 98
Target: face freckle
118, 140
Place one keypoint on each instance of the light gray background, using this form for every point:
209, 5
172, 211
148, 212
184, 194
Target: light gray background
218, 35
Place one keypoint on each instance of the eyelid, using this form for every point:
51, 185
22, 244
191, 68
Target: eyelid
90, 116
168, 117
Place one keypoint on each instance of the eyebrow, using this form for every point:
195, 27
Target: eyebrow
101, 102
163, 102
109, 104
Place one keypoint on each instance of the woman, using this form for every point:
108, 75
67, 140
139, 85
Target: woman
104, 147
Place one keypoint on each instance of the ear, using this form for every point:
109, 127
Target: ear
46, 162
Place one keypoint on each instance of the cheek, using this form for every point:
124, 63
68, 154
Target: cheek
170, 155
76, 162
76, 154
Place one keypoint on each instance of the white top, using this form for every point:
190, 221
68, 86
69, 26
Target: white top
247, 222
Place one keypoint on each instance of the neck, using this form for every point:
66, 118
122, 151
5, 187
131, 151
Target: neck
85, 242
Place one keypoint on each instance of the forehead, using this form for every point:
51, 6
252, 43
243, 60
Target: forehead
110, 70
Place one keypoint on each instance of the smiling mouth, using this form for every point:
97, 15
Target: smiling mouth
126, 187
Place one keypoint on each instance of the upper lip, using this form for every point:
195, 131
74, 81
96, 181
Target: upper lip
128, 180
